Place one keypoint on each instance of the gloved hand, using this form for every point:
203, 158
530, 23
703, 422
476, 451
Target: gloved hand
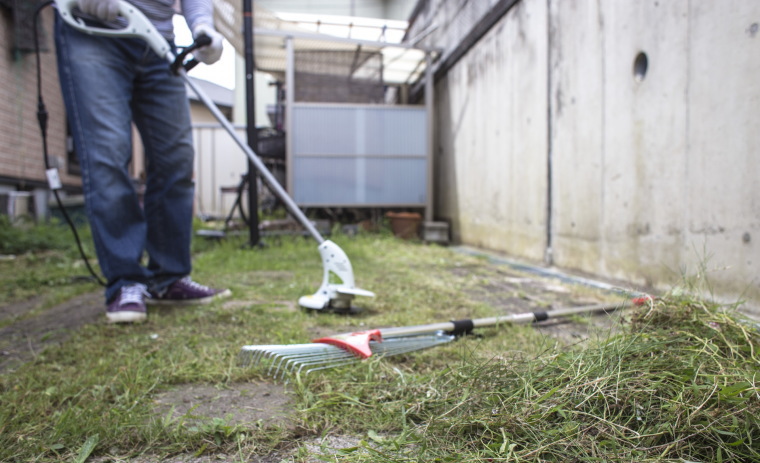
211, 53
104, 10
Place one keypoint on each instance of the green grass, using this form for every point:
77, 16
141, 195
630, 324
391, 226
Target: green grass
40, 265
25, 236
677, 382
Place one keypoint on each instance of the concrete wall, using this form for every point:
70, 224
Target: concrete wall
490, 158
723, 211
652, 177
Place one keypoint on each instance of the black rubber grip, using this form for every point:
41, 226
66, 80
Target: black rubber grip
179, 60
540, 316
462, 327
203, 40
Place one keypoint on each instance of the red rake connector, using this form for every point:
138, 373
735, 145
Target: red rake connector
639, 301
357, 343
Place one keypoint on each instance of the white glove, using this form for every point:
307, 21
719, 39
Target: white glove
104, 10
209, 54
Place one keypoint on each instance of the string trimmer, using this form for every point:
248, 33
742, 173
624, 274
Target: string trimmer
337, 296
348, 348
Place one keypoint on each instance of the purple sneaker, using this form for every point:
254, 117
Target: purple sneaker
186, 292
129, 305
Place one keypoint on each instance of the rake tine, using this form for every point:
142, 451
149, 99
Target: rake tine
275, 355
350, 359
276, 363
258, 354
301, 351
334, 355
331, 365
251, 355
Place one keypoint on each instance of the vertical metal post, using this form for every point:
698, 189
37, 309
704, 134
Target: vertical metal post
290, 93
253, 138
429, 95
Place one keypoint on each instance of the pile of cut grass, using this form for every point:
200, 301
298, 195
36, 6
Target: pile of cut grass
679, 384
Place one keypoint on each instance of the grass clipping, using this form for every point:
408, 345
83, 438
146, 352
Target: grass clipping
680, 384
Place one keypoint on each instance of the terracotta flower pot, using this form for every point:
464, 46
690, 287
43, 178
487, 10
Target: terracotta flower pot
405, 225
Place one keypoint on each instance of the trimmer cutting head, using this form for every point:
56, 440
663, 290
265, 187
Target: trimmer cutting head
334, 296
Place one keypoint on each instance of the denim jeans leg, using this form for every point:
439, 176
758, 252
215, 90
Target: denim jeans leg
162, 115
97, 75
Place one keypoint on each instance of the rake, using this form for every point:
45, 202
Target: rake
347, 348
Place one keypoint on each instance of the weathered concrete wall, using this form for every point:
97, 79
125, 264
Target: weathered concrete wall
618, 144
652, 176
445, 23
491, 138
724, 142
576, 143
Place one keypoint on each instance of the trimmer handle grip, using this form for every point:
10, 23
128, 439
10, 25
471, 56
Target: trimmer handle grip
138, 26
202, 41
179, 61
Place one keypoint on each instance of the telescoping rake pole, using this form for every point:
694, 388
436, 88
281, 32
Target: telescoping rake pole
343, 349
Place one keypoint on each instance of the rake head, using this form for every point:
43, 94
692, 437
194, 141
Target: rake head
282, 360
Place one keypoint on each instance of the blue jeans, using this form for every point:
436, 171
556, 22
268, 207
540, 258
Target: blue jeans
107, 84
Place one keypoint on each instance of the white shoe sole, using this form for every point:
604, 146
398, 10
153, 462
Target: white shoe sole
126, 316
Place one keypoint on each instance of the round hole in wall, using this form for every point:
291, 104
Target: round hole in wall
640, 66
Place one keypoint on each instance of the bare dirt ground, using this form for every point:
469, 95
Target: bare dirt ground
22, 340
501, 286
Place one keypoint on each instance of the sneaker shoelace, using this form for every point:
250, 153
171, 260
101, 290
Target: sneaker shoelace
187, 281
133, 294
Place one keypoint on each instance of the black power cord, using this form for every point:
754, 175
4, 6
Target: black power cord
42, 117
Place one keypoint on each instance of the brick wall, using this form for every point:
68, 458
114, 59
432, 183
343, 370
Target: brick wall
21, 160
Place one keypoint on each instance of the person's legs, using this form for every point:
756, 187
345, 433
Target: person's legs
162, 115
106, 83
96, 75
